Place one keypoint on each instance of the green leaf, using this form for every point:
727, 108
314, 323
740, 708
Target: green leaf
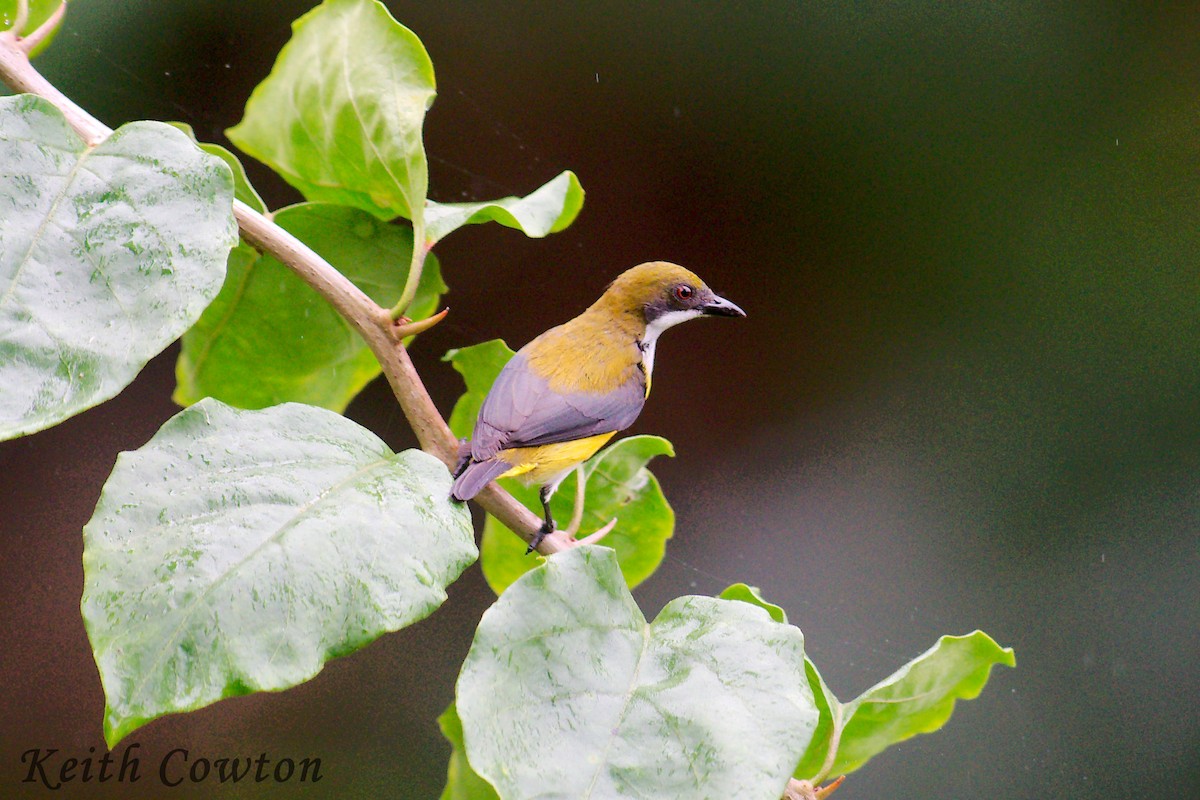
567, 691
462, 782
752, 595
547, 210
618, 485
242, 190
238, 551
917, 698
269, 338
107, 255
340, 115
39, 12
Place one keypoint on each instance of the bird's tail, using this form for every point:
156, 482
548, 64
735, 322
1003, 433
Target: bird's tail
474, 475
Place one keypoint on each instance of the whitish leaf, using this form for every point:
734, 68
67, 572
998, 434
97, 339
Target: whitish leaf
242, 189
107, 255
568, 692
238, 551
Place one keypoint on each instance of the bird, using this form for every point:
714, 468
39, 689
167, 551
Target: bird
571, 389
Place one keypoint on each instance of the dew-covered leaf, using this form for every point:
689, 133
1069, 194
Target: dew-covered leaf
107, 255
242, 189
568, 692
238, 551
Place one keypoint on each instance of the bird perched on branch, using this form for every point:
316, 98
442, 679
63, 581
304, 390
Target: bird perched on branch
567, 392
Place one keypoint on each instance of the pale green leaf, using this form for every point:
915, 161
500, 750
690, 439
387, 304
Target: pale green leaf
269, 338
238, 551
752, 595
567, 691
917, 698
107, 255
340, 115
547, 210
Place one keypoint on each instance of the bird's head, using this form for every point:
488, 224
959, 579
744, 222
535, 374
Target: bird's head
662, 294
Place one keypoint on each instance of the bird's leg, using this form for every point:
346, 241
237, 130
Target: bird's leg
577, 512
548, 525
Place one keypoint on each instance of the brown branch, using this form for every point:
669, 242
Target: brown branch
372, 322
804, 790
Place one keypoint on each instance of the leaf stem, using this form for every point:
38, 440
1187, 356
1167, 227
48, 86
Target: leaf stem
21, 18
835, 739
420, 250
373, 323
48, 27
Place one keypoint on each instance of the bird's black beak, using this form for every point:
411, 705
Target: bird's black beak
718, 306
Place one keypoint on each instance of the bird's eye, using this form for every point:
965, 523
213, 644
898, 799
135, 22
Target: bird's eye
683, 291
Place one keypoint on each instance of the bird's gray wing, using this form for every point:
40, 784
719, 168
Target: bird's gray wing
522, 411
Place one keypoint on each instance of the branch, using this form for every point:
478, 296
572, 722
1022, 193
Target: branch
804, 790
374, 323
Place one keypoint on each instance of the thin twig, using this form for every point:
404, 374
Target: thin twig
372, 322
805, 790
405, 328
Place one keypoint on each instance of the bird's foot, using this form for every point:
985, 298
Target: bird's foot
544, 531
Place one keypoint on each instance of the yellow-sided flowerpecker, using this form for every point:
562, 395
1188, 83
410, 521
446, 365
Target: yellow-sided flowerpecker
567, 392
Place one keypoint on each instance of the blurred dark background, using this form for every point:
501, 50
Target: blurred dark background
967, 394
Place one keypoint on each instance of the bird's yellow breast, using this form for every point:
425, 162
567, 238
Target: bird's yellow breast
587, 354
545, 462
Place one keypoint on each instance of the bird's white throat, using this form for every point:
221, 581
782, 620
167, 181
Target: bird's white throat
655, 328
